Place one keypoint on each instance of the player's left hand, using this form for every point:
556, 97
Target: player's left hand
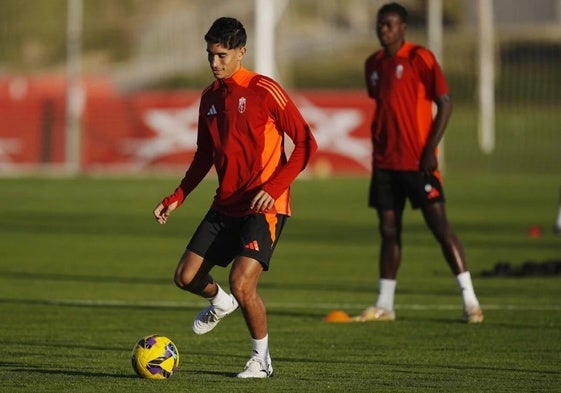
262, 202
162, 212
428, 162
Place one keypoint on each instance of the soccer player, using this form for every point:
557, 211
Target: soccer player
243, 120
405, 80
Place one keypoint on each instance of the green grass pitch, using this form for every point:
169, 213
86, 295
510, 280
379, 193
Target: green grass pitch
85, 271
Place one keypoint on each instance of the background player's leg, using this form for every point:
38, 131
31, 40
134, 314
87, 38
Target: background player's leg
435, 218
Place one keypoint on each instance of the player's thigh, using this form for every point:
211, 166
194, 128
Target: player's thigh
215, 239
436, 220
191, 268
386, 191
245, 274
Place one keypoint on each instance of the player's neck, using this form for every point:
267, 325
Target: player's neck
391, 50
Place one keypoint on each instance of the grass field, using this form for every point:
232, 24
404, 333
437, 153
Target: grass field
85, 271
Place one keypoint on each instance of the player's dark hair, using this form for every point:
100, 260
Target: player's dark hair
394, 8
228, 32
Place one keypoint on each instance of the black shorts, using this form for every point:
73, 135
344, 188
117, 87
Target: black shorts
390, 189
220, 238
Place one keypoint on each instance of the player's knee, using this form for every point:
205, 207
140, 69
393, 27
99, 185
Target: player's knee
388, 232
184, 283
237, 290
241, 290
179, 282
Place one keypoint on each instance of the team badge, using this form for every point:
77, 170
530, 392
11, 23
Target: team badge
241, 105
399, 71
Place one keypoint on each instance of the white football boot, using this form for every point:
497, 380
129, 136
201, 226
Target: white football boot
374, 313
257, 368
209, 317
473, 315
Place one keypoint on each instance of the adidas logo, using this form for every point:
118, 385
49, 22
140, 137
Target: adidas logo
431, 192
212, 111
253, 245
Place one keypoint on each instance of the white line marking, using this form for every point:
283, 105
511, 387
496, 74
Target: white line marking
283, 305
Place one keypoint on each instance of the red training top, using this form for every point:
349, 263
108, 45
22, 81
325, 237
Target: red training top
242, 123
404, 87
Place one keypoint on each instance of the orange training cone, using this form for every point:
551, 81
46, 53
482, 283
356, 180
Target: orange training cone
337, 316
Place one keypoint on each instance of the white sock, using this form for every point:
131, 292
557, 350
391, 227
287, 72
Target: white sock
468, 294
222, 301
261, 348
386, 294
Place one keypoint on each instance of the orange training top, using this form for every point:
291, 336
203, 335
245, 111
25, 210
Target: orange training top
404, 88
242, 123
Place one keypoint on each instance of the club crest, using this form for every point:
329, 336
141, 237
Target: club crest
242, 104
399, 71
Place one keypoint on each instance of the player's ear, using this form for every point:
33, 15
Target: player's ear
241, 52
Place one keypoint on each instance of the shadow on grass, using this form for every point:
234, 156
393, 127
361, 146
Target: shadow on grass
28, 368
20, 367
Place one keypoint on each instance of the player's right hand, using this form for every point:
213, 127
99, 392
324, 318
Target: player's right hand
162, 212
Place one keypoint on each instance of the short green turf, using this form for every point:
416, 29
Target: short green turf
85, 271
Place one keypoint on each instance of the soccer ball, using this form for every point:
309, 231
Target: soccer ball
155, 357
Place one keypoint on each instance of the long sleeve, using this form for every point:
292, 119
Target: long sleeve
198, 169
290, 121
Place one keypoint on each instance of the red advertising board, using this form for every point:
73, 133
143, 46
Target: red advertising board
150, 130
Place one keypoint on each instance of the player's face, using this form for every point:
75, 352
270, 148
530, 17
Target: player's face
391, 31
224, 62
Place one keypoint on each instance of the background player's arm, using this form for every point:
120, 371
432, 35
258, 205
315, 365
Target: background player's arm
429, 162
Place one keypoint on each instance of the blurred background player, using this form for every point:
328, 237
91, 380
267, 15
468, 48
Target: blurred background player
243, 118
405, 80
